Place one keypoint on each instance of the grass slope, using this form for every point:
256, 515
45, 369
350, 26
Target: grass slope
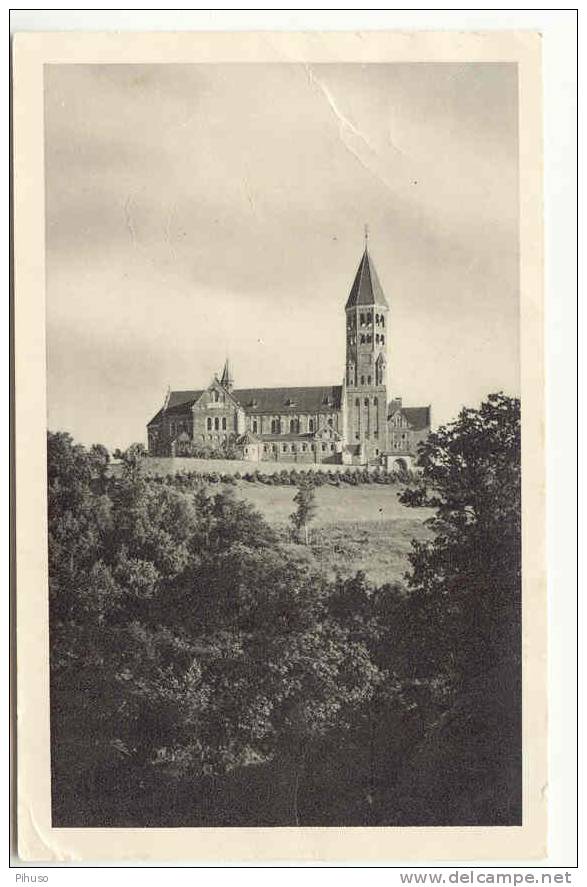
336, 505
377, 548
356, 528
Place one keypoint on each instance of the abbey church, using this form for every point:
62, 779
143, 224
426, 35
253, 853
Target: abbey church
349, 424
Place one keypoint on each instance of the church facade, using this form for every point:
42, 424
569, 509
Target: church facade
353, 423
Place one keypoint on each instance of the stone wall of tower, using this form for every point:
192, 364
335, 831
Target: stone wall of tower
366, 378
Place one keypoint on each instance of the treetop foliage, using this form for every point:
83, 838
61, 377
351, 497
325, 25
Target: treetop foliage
190, 641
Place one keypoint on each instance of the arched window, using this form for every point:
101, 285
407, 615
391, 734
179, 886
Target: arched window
224, 424
369, 339
310, 425
362, 319
368, 380
285, 448
331, 422
275, 426
215, 396
209, 423
383, 340
357, 402
362, 338
382, 320
292, 426
362, 380
375, 401
216, 424
254, 426
366, 401
368, 317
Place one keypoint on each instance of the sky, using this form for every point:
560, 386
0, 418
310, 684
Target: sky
198, 211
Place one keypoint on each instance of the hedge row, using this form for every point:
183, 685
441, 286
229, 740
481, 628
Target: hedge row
293, 477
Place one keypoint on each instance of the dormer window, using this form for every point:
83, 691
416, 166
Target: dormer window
215, 396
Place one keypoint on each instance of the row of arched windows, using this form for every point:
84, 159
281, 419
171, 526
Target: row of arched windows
294, 425
366, 401
302, 448
218, 423
365, 319
366, 339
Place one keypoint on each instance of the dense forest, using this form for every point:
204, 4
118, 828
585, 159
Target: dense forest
206, 672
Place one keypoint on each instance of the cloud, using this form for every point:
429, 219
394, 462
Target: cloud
193, 207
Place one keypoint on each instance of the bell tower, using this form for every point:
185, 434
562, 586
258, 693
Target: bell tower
366, 361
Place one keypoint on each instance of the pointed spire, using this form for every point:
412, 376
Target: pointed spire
167, 398
227, 379
366, 289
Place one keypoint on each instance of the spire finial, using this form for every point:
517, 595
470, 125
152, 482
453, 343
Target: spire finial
366, 234
227, 380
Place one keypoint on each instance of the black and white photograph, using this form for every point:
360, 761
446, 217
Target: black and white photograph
283, 444
282, 586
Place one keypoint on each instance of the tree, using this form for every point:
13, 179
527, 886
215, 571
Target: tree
305, 499
464, 612
186, 641
133, 457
